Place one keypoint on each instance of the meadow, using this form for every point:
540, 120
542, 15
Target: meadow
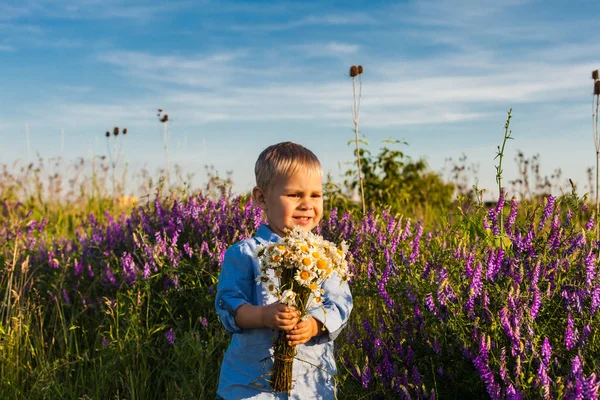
108, 296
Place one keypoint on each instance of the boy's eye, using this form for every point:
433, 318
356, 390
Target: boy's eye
293, 195
316, 195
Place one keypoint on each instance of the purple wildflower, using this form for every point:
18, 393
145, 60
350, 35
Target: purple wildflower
415, 245
188, 250
104, 342
570, 334
204, 322
537, 302
513, 214
595, 300
110, 277
146, 274
590, 224
77, 267
544, 380
366, 376
503, 372
129, 268
430, 304
66, 297
546, 351
590, 268
170, 336
547, 212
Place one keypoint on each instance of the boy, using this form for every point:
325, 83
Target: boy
289, 191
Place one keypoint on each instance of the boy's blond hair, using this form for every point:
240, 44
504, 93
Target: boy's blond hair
284, 159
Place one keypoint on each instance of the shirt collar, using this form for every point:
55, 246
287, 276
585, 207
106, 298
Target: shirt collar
265, 233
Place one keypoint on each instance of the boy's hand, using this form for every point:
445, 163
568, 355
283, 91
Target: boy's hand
280, 316
304, 331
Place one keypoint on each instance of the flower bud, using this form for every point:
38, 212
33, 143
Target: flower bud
360, 69
107, 134
116, 131
125, 131
595, 75
165, 118
597, 87
353, 71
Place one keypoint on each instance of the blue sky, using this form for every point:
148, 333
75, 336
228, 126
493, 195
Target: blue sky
235, 77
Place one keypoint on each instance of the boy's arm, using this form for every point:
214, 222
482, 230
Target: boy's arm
235, 297
234, 290
274, 316
335, 310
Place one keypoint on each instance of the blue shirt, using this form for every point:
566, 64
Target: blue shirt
248, 358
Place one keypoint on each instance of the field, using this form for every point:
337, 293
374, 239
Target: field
107, 296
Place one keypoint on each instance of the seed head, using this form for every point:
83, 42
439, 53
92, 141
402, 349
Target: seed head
360, 69
353, 71
597, 88
165, 118
116, 131
124, 131
107, 134
595, 75
159, 110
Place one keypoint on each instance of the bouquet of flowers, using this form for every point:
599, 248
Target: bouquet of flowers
293, 270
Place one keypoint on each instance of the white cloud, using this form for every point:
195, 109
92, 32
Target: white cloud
310, 20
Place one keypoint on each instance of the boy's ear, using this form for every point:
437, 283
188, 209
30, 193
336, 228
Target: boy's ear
258, 196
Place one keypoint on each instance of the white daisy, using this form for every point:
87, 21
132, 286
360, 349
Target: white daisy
288, 297
305, 276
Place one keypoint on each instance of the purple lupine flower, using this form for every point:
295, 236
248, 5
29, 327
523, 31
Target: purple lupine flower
416, 376
503, 373
546, 352
90, 271
430, 304
110, 277
104, 342
513, 214
544, 380
537, 302
590, 268
129, 268
512, 394
595, 300
590, 224
481, 363
366, 376
415, 244
500, 204
406, 231
188, 250
492, 217
585, 333
52, 260
66, 297
570, 334
547, 212
204, 322
77, 267
591, 386
146, 273
170, 336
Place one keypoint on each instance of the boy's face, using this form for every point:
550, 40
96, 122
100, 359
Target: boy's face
292, 201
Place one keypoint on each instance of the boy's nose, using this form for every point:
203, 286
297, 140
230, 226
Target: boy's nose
305, 205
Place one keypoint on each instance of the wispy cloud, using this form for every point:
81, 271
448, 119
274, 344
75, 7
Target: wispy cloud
310, 20
90, 9
330, 49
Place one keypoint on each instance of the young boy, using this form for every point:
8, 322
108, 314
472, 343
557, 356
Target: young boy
289, 191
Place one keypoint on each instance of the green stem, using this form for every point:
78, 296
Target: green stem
500, 156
